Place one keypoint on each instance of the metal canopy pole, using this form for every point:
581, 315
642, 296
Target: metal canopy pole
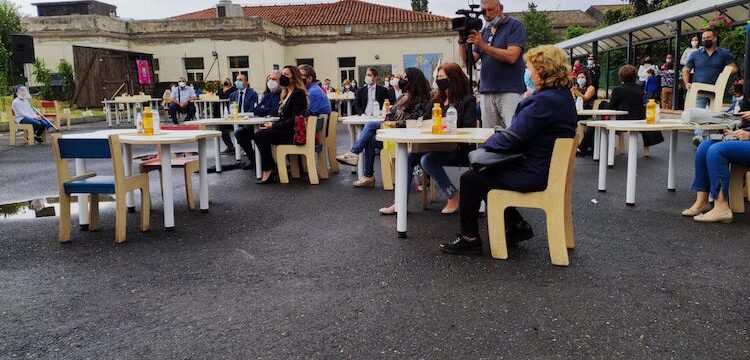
676, 61
609, 66
630, 49
571, 57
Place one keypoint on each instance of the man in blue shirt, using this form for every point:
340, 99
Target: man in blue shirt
708, 63
180, 101
499, 47
317, 100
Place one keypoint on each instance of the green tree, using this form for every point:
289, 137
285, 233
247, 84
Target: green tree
574, 32
65, 70
538, 27
420, 5
43, 79
10, 23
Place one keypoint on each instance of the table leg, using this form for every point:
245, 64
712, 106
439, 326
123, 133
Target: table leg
597, 139
632, 167
360, 162
127, 158
117, 114
349, 107
203, 173
402, 188
108, 113
83, 199
210, 111
672, 159
602, 165
237, 151
258, 167
166, 181
352, 139
217, 155
127, 108
611, 148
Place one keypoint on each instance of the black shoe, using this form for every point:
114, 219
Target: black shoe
248, 166
460, 245
228, 151
38, 139
520, 232
271, 179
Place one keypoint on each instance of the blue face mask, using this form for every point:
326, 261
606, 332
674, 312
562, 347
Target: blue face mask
239, 85
527, 80
495, 22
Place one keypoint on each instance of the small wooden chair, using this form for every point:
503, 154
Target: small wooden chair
308, 151
27, 129
555, 200
330, 146
715, 92
94, 184
51, 111
189, 164
388, 167
739, 179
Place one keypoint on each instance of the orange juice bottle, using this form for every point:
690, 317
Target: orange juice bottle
651, 112
387, 106
437, 119
148, 121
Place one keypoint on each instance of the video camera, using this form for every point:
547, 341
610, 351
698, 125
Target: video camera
469, 22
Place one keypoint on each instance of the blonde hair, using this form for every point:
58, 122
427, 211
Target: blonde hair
551, 65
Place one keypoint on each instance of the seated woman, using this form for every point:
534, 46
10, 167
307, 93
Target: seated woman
712, 174
24, 113
539, 121
453, 89
293, 104
415, 103
268, 106
584, 89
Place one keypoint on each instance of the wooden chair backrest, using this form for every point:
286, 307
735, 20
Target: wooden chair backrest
64, 149
333, 120
723, 78
560, 180
48, 105
177, 128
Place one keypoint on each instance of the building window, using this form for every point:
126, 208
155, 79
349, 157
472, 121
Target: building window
194, 68
239, 65
347, 69
310, 62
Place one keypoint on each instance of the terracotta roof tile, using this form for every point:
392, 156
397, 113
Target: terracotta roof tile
342, 12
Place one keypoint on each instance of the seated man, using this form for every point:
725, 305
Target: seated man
180, 101
317, 100
245, 97
370, 93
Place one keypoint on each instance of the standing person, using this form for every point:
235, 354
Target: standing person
180, 101
540, 120
371, 92
293, 104
694, 43
594, 71
24, 113
643, 69
499, 47
652, 86
577, 69
317, 100
269, 106
707, 64
226, 130
667, 82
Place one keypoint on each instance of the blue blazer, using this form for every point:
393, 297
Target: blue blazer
251, 100
540, 119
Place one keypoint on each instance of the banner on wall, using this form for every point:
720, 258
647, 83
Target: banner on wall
144, 72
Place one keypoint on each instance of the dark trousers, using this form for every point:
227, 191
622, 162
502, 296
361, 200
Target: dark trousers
587, 143
226, 135
244, 136
474, 188
265, 138
174, 109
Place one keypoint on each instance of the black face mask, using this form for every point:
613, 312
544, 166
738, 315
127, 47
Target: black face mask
708, 44
284, 81
442, 84
403, 84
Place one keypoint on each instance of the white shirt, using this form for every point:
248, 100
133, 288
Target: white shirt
370, 99
398, 92
22, 109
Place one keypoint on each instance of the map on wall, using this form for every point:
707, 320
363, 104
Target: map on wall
428, 63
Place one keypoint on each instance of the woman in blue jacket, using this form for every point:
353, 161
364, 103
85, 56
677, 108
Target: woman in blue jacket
539, 121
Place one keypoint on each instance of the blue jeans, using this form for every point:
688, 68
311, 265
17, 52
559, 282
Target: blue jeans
712, 161
701, 102
38, 125
367, 144
433, 163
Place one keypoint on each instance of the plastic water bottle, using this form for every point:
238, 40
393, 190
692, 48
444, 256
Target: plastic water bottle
451, 119
139, 124
157, 121
658, 112
375, 108
579, 104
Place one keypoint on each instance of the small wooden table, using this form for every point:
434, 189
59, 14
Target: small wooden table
403, 137
164, 140
633, 128
340, 99
128, 102
355, 124
595, 114
236, 123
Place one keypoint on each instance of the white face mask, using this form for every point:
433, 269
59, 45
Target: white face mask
273, 85
591, 62
368, 80
694, 43
394, 82
181, 84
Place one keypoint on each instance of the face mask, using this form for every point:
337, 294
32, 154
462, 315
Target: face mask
394, 82
669, 61
181, 84
403, 84
442, 84
368, 80
239, 85
708, 44
527, 80
495, 22
591, 62
284, 81
272, 85
581, 82
694, 43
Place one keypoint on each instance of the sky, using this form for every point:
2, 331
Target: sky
159, 9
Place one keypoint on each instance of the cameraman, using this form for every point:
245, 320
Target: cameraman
499, 46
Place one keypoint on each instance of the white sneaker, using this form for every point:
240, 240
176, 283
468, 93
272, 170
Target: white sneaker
349, 158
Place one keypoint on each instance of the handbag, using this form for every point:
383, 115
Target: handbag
482, 159
426, 148
300, 130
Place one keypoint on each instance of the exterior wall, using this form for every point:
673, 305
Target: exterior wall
52, 50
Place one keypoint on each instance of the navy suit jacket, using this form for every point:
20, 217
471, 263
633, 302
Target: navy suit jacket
250, 101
